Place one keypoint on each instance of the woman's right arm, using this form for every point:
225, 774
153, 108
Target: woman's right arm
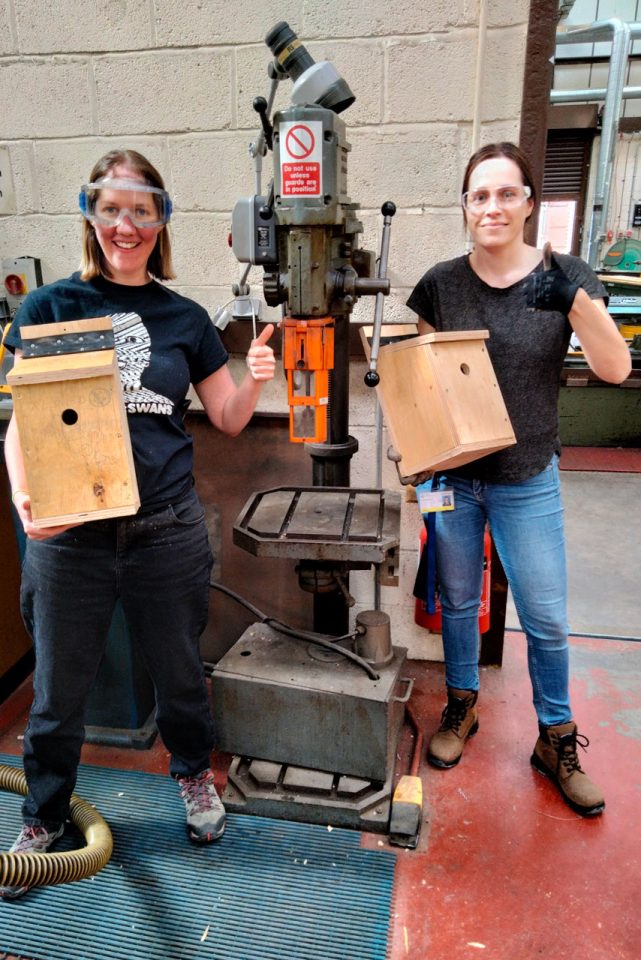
421, 303
15, 465
424, 326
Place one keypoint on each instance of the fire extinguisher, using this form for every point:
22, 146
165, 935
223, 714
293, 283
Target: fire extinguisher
432, 621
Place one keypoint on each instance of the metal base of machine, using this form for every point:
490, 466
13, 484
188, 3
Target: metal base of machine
292, 702
140, 738
325, 730
266, 789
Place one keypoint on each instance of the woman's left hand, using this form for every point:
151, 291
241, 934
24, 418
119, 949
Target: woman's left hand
261, 361
550, 289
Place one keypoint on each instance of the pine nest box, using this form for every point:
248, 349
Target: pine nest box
440, 398
68, 404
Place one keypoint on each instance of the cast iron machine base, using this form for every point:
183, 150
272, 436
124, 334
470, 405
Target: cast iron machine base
313, 733
316, 735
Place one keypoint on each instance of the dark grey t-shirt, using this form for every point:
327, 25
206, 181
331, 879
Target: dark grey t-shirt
527, 350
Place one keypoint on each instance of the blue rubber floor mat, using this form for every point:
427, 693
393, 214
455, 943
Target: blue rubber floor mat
268, 890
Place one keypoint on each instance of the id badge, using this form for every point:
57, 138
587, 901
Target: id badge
435, 501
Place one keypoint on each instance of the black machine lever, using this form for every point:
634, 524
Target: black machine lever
260, 106
372, 378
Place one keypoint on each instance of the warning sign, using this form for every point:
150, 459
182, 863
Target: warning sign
301, 157
300, 141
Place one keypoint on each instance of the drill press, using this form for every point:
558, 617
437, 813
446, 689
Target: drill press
313, 720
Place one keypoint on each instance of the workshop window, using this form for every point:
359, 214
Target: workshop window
565, 176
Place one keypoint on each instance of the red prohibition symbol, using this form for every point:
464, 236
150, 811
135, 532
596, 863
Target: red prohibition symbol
299, 142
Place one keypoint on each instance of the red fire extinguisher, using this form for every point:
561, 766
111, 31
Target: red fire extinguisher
432, 621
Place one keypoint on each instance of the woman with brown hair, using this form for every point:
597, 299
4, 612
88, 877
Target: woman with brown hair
530, 313
156, 562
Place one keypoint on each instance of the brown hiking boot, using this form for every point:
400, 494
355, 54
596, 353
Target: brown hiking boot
555, 757
458, 722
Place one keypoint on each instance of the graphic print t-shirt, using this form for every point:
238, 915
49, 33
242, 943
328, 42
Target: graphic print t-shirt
164, 342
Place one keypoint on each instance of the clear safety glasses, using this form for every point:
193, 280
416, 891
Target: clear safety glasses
109, 201
504, 198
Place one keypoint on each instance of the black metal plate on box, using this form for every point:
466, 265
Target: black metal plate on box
63, 343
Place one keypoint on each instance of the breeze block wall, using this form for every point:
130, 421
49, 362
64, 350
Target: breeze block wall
175, 79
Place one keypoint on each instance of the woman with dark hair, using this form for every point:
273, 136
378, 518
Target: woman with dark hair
530, 313
156, 562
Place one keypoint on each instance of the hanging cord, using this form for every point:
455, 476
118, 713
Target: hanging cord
306, 635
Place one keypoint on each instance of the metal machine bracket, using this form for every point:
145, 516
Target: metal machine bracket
281, 791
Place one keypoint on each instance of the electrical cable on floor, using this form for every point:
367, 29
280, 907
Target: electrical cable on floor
417, 751
305, 635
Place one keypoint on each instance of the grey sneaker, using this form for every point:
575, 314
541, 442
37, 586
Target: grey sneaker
31, 840
205, 811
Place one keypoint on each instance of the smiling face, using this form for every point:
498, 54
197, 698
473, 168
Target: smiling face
495, 226
126, 248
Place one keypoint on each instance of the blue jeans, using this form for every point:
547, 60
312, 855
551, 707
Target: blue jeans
159, 565
526, 523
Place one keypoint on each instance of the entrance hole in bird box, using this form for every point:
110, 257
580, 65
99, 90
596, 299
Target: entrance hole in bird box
69, 417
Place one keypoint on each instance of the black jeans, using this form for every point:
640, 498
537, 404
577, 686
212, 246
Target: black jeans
159, 566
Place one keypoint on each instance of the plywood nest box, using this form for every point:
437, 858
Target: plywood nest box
440, 398
68, 404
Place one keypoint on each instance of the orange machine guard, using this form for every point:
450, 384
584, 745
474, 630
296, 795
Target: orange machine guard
308, 356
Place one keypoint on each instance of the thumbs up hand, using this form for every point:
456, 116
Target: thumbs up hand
550, 288
261, 361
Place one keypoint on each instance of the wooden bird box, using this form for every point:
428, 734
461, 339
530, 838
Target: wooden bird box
68, 404
440, 398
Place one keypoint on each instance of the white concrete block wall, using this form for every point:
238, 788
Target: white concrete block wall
175, 79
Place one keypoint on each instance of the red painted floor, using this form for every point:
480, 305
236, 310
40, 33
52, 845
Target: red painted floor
601, 459
504, 870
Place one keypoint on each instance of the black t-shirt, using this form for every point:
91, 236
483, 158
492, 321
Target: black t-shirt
164, 342
527, 349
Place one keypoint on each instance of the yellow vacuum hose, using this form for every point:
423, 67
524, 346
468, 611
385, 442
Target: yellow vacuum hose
42, 870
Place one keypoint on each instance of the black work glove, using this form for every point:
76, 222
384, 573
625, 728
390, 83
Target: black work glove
550, 289
414, 479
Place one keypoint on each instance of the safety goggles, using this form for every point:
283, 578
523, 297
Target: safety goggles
504, 198
109, 200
